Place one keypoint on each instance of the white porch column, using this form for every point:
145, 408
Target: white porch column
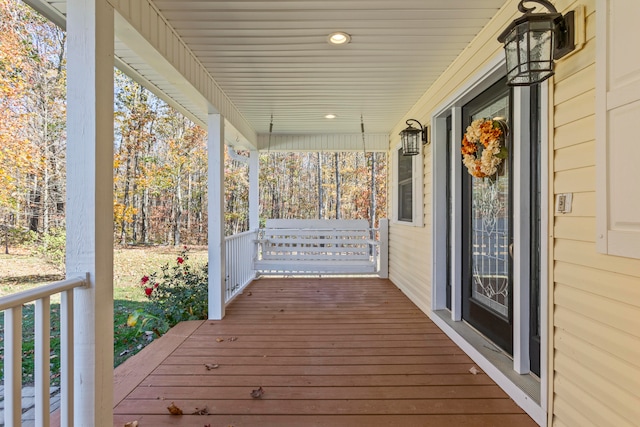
90, 204
215, 148
254, 184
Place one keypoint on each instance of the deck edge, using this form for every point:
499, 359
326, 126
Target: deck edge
134, 370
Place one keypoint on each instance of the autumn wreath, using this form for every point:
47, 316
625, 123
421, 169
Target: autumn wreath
483, 147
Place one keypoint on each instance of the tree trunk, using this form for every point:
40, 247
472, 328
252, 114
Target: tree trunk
136, 199
144, 217
189, 203
372, 190
34, 218
45, 196
177, 210
320, 195
125, 202
337, 177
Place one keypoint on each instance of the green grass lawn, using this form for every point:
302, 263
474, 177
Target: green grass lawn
20, 271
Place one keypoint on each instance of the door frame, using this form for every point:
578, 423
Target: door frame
452, 108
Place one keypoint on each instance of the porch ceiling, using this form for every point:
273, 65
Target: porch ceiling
272, 57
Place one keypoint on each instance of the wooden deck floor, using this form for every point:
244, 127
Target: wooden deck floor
326, 352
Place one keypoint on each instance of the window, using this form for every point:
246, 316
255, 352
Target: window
407, 178
617, 111
405, 188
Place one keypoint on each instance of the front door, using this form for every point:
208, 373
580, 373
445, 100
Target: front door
487, 232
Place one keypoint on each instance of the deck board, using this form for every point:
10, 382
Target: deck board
327, 352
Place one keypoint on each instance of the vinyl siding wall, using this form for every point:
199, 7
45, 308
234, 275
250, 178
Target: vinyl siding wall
410, 252
595, 299
410, 248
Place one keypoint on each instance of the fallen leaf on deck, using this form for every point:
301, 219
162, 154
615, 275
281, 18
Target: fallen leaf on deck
249, 294
256, 394
233, 339
131, 424
474, 370
219, 339
211, 366
203, 411
174, 410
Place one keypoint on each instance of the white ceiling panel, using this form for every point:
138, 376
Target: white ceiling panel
271, 58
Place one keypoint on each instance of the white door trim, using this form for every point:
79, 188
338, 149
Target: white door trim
482, 80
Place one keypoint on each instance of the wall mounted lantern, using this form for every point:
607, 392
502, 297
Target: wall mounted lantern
411, 138
533, 41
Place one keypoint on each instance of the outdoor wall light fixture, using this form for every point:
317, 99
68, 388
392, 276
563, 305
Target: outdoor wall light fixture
411, 138
533, 41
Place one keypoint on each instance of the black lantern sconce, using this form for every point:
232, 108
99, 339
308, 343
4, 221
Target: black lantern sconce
533, 41
411, 138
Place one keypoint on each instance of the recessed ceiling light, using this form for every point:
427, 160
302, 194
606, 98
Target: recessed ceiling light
339, 38
330, 116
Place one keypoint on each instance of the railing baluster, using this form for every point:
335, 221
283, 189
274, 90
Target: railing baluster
239, 256
12, 307
13, 366
42, 360
66, 358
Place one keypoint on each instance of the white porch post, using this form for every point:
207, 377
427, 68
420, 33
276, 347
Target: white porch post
217, 286
90, 204
254, 184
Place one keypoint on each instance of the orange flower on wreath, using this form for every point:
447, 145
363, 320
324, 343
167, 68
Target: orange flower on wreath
482, 147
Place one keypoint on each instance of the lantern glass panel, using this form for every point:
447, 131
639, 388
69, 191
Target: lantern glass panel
541, 45
529, 52
410, 142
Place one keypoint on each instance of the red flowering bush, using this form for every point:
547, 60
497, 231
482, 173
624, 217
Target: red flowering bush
178, 292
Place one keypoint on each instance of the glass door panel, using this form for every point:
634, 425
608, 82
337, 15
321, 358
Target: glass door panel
487, 232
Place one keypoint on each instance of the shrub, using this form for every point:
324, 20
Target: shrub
52, 246
178, 293
17, 236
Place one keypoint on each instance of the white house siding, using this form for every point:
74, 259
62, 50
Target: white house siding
410, 250
410, 256
595, 299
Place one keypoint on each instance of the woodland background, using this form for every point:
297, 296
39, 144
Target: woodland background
160, 166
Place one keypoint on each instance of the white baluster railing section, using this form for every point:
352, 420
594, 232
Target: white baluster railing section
12, 307
240, 250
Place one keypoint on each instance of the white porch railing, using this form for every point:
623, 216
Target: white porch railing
12, 307
238, 262
240, 253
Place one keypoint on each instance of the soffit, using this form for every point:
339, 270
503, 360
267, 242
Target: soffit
271, 58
